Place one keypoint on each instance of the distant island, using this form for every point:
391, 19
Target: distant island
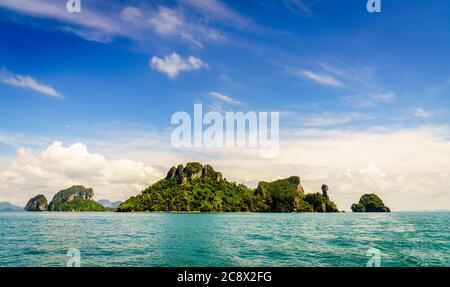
370, 203
75, 198
109, 204
6, 206
199, 188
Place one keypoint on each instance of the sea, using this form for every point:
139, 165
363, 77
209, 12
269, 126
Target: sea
406, 239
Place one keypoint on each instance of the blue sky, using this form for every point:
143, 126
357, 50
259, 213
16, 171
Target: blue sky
325, 65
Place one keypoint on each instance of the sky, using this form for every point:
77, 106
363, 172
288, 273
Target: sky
87, 98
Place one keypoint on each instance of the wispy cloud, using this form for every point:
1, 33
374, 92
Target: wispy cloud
167, 21
332, 119
27, 82
323, 119
420, 113
321, 79
224, 98
371, 99
132, 15
172, 65
89, 19
298, 7
105, 20
423, 113
216, 10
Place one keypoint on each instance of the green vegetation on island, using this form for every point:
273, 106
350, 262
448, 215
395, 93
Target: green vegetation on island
200, 188
75, 198
370, 203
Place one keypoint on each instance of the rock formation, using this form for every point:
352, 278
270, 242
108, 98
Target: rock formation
192, 171
37, 203
75, 198
282, 195
197, 187
370, 203
325, 190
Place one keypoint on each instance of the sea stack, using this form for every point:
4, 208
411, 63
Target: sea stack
37, 203
370, 203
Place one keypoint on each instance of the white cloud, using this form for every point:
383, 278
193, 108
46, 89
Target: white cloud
172, 65
420, 113
330, 119
321, 79
105, 20
167, 21
219, 11
27, 82
132, 15
224, 98
58, 167
88, 19
371, 100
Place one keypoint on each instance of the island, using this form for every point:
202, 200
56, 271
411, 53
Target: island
195, 187
75, 198
37, 203
199, 188
7, 207
370, 203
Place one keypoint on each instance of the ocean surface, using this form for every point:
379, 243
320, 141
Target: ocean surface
224, 239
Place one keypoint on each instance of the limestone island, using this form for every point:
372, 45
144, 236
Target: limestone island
198, 188
370, 203
75, 198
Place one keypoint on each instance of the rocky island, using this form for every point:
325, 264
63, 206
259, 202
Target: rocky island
37, 203
197, 187
370, 203
75, 198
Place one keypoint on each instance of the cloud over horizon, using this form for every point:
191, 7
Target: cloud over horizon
58, 167
377, 160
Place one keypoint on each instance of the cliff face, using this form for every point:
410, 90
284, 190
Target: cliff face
281, 195
37, 203
75, 198
192, 171
370, 203
195, 187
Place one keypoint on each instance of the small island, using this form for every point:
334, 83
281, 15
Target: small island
370, 203
75, 198
37, 203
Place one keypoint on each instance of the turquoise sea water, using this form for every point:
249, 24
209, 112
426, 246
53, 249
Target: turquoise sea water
224, 239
